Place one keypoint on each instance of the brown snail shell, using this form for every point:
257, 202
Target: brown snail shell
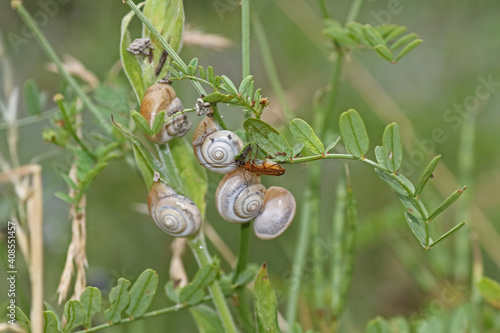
162, 97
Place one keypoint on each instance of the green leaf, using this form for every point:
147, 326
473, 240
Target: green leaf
207, 320
23, 320
91, 300
396, 33
142, 123
407, 49
194, 62
426, 175
448, 233
392, 147
142, 293
119, 299
397, 182
167, 16
373, 36
267, 138
383, 51
203, 75
247, 276
377, 325
193, 292
69, 181
158, 122
229, 85
411, 206
332, 145
146, 161
490, 290
418, 228
245, 84
210, 74
451, 199
192, 175
266, 306
353, 132
33, 100
65, 197
297, 148
305, 134
172, 292
404, 40
131, 65
75, 315
49, 322
214, 97
379, 155
49, 307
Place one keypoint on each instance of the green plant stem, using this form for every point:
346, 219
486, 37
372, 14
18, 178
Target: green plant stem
354, 11
245, 37
333, 95
51, 54
151, 314
323, 10
199, 248
172, 54
241, 265
271, 70
301, 249
452, 230
70, 129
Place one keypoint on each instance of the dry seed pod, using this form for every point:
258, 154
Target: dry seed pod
162, 97
216, 149
278, 213
239, 197
173, 213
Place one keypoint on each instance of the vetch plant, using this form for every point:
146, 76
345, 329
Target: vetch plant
174, 169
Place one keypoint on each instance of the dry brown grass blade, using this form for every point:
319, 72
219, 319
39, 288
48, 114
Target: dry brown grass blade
77, 68
197, 37
34, 218
177, 272
219, 244
76, 254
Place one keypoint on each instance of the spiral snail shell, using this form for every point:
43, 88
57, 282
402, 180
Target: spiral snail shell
162, 97
216, 149
277, 215
239, 197
173, 213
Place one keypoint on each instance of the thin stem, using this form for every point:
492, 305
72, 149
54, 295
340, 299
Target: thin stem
334, 92
354, 11
269, 64
29, 120
151, 314
241, 265
51, 54
245, 37
69, 126
323, 10
452, 230
199, 248
301, 249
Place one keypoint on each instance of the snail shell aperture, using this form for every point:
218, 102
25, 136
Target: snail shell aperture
173, 213
277, 215
162, 97
216, 149
239, 197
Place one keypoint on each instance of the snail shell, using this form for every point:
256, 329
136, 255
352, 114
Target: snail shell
240, 196
278, 213
173, 213
216, 149
162, 97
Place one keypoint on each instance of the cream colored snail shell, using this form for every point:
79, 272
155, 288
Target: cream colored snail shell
216, 149
277, 215
173, 213
162, 97
240, 196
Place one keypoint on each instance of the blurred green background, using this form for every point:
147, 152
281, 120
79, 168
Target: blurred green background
460, 51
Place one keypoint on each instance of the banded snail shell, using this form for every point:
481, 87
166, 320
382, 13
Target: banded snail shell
240, 196
173, 213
